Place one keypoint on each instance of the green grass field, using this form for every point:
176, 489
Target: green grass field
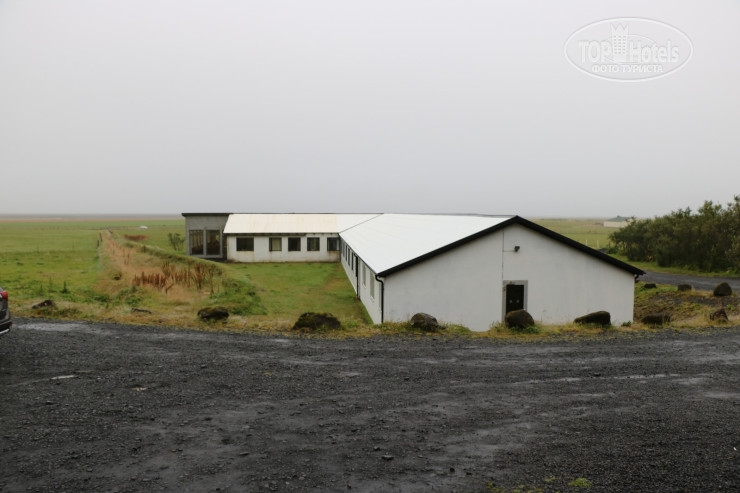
64, 261
43, 258
590, 232
289, 289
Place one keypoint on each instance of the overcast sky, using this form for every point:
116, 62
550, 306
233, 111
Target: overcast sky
176, 106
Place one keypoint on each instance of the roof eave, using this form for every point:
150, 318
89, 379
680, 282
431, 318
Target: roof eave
527, 224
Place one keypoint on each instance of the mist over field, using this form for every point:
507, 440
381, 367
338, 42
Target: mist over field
165, 107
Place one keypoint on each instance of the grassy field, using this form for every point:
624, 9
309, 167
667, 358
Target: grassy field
289, 289
41, 258
590, 232
89, 268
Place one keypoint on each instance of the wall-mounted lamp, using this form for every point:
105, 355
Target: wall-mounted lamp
516, 248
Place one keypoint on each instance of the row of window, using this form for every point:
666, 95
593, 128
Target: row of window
313, 244
353, 263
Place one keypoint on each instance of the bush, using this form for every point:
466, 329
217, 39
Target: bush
707, 240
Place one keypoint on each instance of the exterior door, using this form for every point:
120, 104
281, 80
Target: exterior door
514, 297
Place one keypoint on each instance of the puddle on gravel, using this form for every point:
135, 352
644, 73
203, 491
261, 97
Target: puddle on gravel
70, 327
54, 327
727, 396
282, 341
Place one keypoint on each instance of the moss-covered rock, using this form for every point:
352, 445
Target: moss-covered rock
311, 321
519, 319
602, 318
213, 313
722, 289
425, 322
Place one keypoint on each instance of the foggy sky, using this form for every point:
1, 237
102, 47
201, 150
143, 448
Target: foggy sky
369, 106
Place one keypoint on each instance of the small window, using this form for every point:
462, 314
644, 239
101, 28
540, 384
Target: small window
312, 244
294, 244
276, 244
372, 288
245, 244
332, 244
196, 242
364, 275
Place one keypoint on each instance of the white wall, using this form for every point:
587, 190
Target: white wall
467, 284
368, 289
460, 286
262, 251
565, 283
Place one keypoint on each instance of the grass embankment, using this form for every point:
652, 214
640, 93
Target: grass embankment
688, 309
88, 269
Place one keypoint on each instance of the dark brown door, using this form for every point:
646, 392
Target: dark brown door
514, 297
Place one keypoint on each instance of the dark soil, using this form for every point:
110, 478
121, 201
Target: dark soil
105, 407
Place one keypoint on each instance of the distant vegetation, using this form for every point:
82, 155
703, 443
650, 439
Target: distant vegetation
707, 240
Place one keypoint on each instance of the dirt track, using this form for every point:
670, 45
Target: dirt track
104, 407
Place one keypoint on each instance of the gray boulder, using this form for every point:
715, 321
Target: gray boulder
602, 318
44, 304
425, 322
722, 289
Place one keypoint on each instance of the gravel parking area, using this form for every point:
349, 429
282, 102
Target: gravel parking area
106, 407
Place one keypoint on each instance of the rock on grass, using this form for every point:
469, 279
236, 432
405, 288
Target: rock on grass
311, 321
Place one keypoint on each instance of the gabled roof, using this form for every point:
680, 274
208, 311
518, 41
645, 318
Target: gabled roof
292, 223
389, 243
392, 240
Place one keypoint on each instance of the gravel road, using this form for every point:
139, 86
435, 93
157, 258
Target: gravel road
103, 407
697, 282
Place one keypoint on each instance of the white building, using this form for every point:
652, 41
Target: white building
464, 269
287, 237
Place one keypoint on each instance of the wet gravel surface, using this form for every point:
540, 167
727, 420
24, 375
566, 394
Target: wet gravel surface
106, 407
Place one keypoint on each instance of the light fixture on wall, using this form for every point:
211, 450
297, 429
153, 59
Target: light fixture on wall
516, 248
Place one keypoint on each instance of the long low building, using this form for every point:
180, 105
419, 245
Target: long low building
465, 269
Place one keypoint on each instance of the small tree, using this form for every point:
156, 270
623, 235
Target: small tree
176, 241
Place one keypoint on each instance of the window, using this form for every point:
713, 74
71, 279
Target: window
276, 244
364, 275
332, 244
245, 244
372, 288
312, 244
196, 242
294, 244
213, 242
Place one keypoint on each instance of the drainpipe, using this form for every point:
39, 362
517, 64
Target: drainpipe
382, 298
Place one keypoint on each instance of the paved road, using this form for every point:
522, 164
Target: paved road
697, 282
90, 407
